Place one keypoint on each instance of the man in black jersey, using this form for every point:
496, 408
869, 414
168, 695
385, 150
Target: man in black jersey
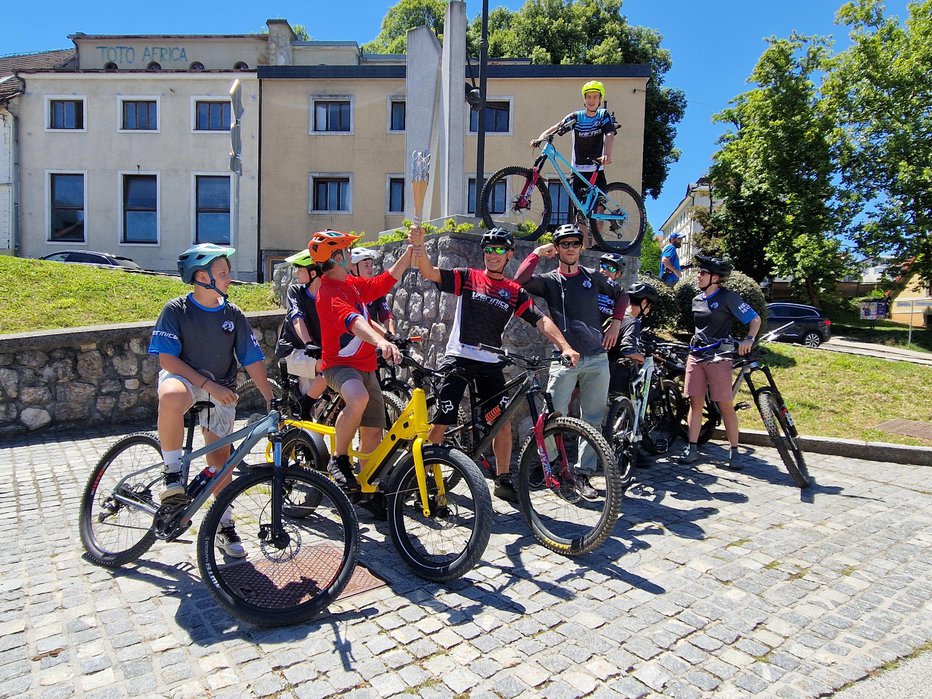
486, 302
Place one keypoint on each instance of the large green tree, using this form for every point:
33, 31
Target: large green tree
880, 91
566, 32
775, 171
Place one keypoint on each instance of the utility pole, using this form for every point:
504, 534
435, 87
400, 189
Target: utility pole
483, 69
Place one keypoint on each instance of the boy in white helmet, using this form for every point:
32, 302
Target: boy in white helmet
362, 264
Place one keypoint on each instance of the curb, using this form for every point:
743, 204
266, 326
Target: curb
852, 448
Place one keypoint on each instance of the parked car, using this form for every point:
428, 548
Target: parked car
809, 324
88, 257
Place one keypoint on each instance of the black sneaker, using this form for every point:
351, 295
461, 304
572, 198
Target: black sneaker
585, 489
735, 461
172, 485
689, 456
504, 490
342, 474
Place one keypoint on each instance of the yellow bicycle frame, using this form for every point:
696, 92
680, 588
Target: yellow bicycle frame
411, 426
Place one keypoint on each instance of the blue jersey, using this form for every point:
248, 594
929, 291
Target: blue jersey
589, 136
669, 253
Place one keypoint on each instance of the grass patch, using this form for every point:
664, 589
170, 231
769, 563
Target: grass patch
849, 570
772, 565
846, 322
891, 664
739, 542
843, 395
799, 574
43, 295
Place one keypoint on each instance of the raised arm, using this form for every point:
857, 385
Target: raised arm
402, 264
424, 265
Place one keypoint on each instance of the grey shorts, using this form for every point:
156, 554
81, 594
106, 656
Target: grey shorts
374, 414
218, 419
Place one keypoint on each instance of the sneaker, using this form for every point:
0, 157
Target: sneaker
504, 490
735, 460
690, 455
229, 542
172, 486
342, 473
585, 489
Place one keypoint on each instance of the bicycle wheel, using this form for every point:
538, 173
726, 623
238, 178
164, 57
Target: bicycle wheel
114, 532
619, 433
662, 419
448, 542
299, 451
561, 519
778, 422
251, 404
623, 234
502, 205
285, 582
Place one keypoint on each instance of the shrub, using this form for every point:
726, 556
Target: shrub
401, 233
687, 288
663, 316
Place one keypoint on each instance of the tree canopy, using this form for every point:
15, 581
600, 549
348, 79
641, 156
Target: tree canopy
405, 15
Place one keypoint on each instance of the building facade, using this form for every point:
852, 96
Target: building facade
683, 220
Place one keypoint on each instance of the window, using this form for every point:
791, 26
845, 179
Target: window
332, 116
140, 209
559, 203
66, 213
212, 116
329, 193
66, 114
213, 209
139, 115
496, 118
499, 196
396, 195
396, 120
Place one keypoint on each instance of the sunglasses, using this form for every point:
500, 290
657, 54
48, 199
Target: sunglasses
570, 244
494, 249
608, 268
704, 271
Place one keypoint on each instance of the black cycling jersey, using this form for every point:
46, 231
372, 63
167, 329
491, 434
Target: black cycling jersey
715, 314
299, 303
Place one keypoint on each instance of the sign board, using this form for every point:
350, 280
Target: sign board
904, 305
873, 310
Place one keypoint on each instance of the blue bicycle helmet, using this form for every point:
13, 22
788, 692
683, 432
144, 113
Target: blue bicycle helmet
200, 257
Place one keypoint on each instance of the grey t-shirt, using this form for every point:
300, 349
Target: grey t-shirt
714, 315
209, 340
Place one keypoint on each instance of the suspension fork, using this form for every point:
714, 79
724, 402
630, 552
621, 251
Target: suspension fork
550, 480
279, 538
531, 182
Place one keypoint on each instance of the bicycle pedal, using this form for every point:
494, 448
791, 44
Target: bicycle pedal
742, 405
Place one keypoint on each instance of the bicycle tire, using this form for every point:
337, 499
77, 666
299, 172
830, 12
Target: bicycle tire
776, 423
548, 511
526, 223
619, 424
251, 404
114, 533
279, 586
620, 236
662, 419
448, 543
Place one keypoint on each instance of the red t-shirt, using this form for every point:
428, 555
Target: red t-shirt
339, 305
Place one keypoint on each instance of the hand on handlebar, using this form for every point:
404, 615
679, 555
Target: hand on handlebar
570, 358
390, 352
745, 346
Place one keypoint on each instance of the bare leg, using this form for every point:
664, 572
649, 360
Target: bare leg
501, 447
730, 421
694, 420
174, 401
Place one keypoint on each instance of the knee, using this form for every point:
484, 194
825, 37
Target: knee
174, 401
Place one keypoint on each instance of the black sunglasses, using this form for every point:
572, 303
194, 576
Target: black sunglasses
570, 244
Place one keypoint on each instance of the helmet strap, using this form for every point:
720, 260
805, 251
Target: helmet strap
213, 284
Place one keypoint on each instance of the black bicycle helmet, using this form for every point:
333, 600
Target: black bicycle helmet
613, 258
567, 230
642, 290
498, 236
714, 265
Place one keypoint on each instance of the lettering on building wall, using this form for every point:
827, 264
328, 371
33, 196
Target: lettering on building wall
126, 55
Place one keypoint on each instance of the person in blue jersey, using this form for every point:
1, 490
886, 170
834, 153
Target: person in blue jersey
670, 270
201, 339
714, 311
594, 132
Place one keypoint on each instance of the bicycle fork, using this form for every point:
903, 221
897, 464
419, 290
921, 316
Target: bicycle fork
274, 532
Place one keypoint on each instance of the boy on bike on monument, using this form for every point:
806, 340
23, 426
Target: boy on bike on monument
363, 265
301, 329
612, 266
349, 343
594, 132
714, 312
200, 340
487, 301
572, 295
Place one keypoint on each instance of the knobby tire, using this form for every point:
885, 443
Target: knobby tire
620, 236
530, 223
783, 438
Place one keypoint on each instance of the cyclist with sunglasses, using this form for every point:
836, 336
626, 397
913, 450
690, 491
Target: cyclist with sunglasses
572, 295
714, 312
486, 302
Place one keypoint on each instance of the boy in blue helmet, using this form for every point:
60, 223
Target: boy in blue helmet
201, 339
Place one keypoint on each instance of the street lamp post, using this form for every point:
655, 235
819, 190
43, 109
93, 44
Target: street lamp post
483, 69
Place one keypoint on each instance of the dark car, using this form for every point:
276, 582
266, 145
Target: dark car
808, 324
88, 257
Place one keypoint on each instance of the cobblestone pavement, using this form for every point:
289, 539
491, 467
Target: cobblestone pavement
714, 583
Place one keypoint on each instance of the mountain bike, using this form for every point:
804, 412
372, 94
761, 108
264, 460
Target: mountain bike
438, 508
615, 216
550, 461
767, 397
299, 558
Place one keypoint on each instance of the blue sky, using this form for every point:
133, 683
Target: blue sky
714, 45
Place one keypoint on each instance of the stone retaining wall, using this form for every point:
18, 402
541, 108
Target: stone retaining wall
96, 375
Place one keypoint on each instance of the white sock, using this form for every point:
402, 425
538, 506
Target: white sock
172, 460
226, 520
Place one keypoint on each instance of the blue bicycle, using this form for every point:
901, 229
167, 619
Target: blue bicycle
518, 199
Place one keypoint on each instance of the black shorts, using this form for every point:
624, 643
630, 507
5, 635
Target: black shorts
489, 378
581, 187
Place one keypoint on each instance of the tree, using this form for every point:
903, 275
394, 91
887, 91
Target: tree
775, 171
880, 90
650, 253
405, 15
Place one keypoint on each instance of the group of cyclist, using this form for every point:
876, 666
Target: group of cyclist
337, 320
